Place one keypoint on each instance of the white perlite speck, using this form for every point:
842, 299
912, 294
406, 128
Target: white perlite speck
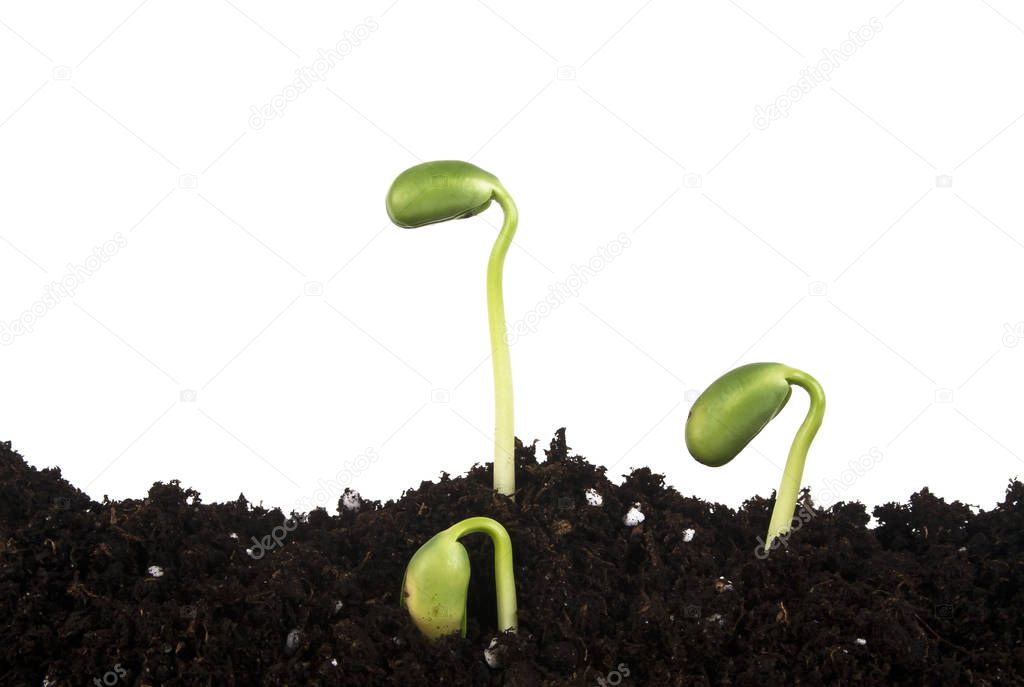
155, 571
593, 498
688, 534
492, 655
233, 535
350, 500
634, 517
861, 642
291, 642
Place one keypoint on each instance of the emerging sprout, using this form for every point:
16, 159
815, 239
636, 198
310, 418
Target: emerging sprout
448, 189
736, 407
436, 581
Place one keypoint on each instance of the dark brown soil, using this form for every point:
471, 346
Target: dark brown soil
932, 596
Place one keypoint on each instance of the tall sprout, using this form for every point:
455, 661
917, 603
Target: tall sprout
439, 191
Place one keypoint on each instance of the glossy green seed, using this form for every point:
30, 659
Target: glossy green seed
734, 409
439, 191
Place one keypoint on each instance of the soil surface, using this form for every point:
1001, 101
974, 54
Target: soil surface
162, 591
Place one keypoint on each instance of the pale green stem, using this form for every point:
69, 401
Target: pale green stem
789, 489
504, 573
504, 436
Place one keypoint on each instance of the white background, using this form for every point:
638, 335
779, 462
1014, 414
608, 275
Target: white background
824, 240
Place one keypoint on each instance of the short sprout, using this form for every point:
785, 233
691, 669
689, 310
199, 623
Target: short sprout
436, 580
736, 407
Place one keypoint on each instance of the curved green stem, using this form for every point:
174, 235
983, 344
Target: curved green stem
504, 437
789, 489
444, 190
504, 574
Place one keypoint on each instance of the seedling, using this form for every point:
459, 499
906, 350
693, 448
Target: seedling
736, 407
448, 189
436, 581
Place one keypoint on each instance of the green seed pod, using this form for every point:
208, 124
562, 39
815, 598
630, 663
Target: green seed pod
436, 580
439, 191
736, 407
734, 410
435, 586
